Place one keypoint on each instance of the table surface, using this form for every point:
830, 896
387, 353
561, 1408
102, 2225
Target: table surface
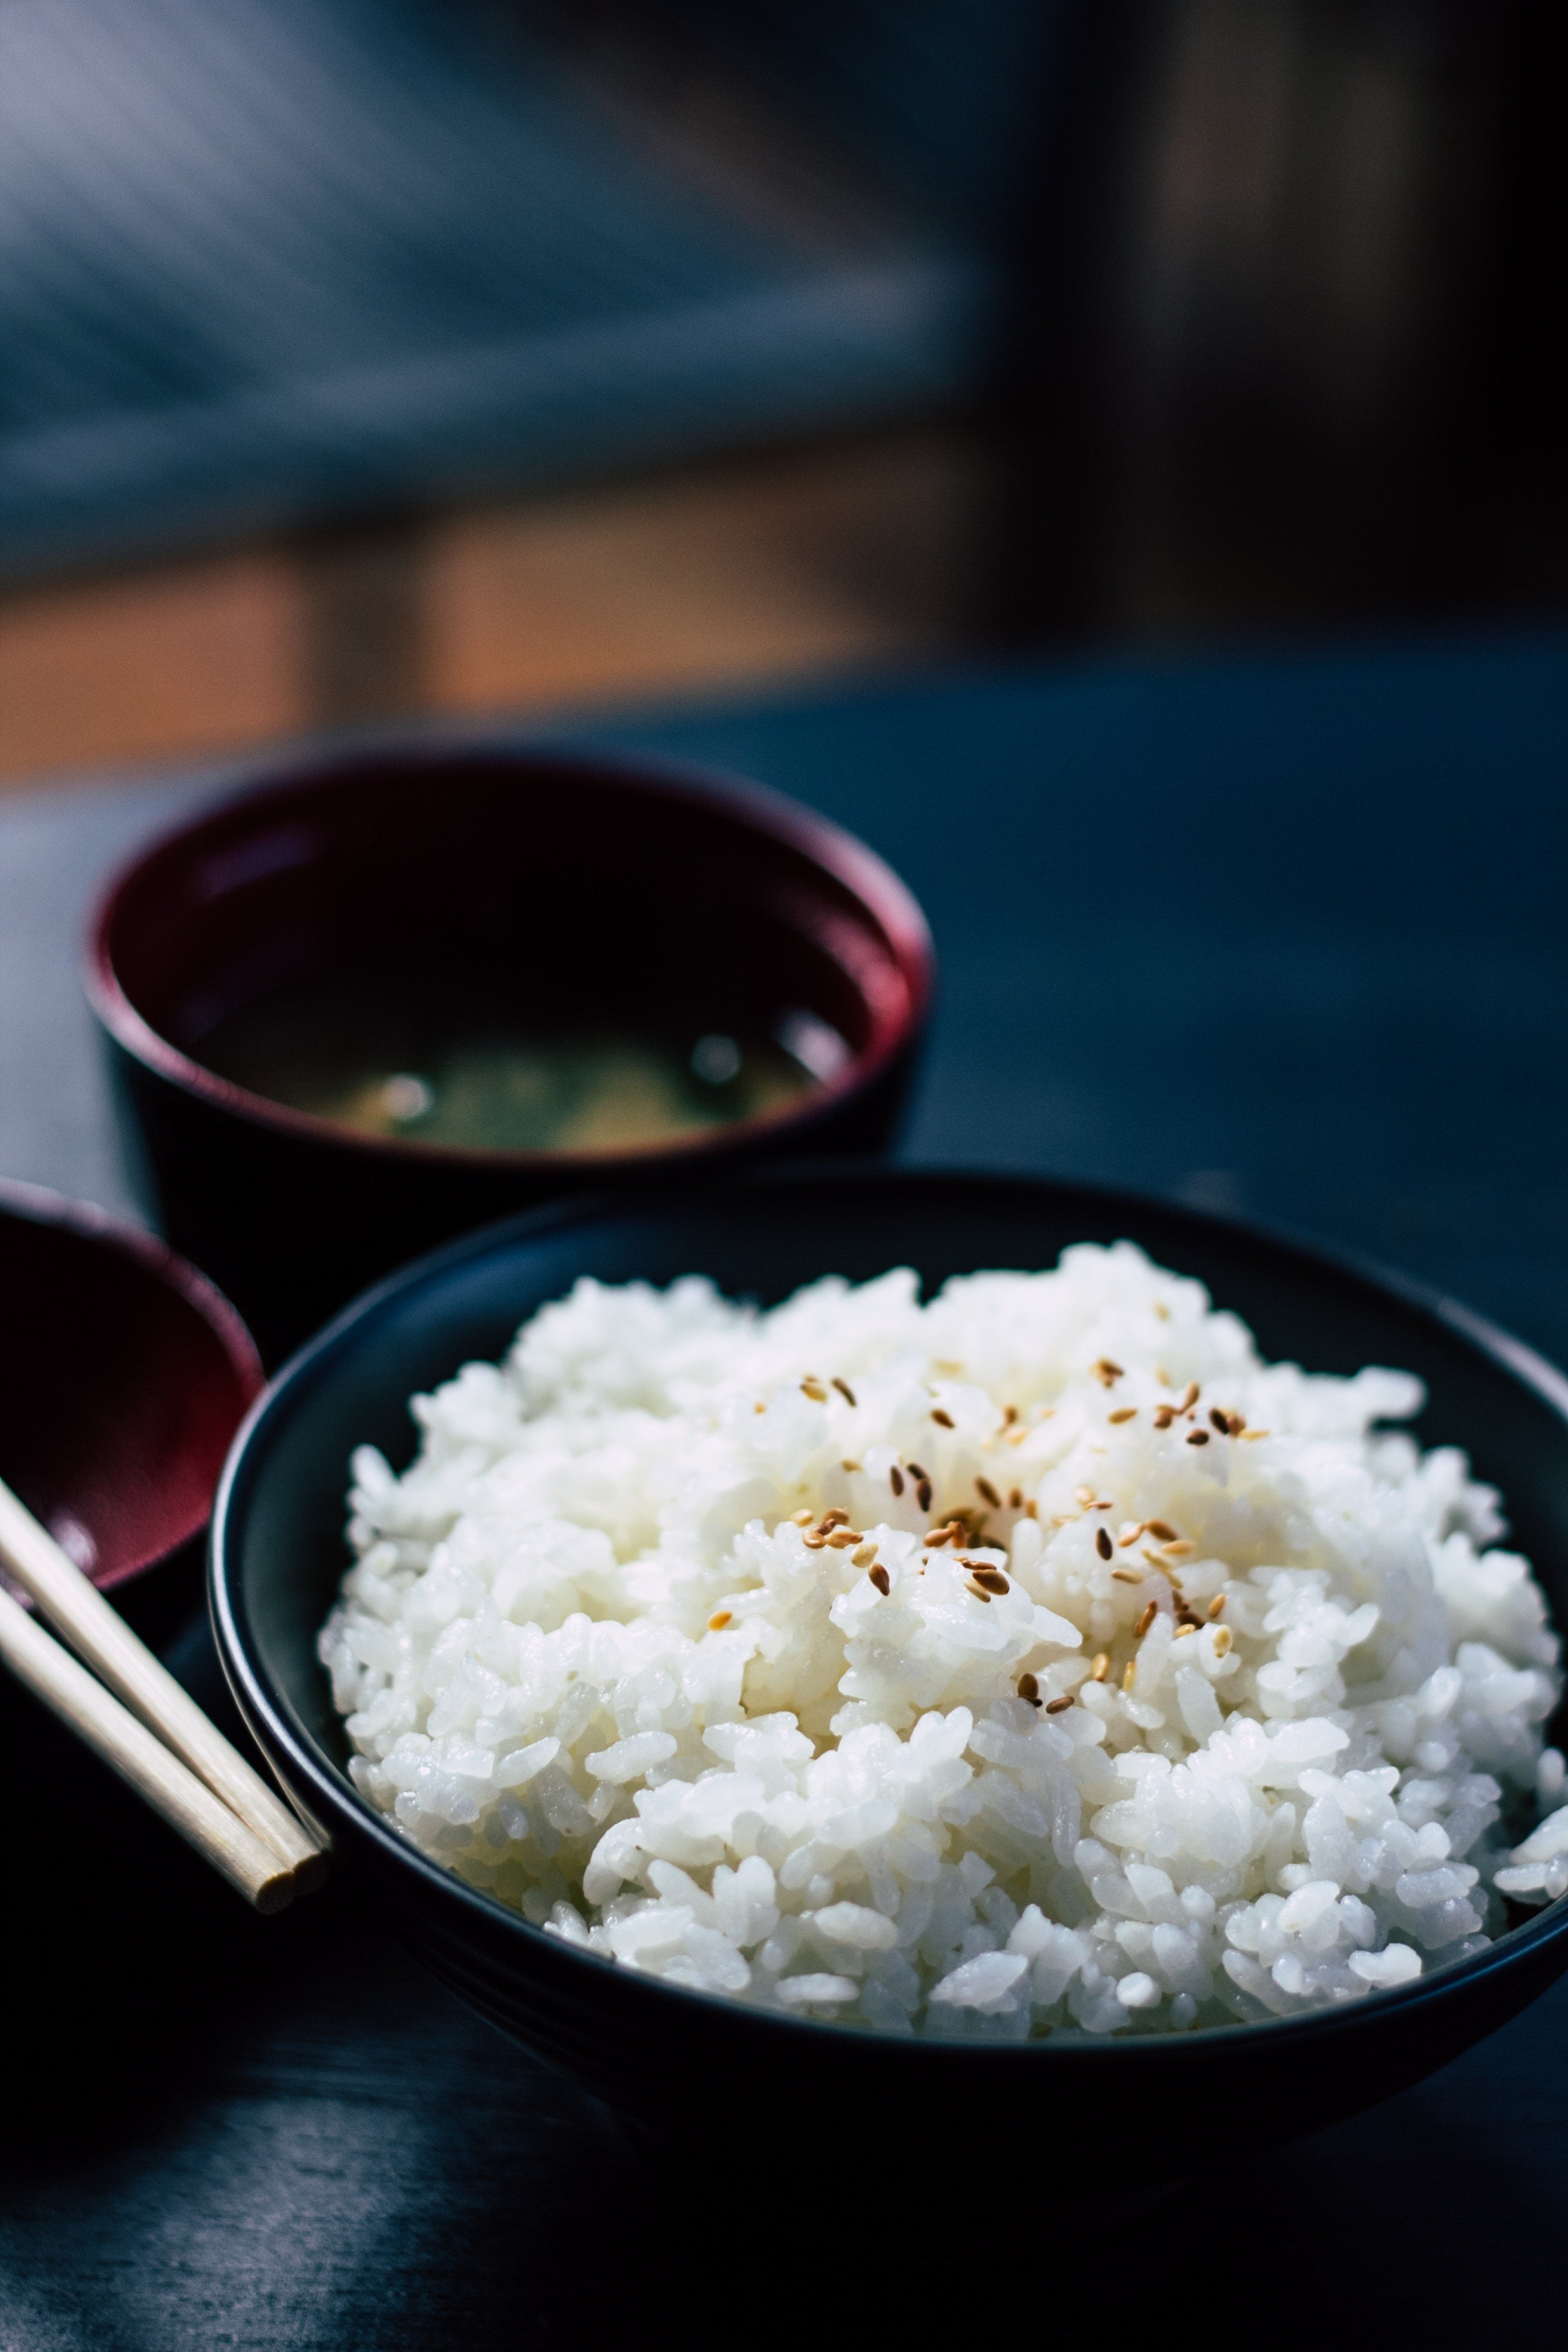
1276, 935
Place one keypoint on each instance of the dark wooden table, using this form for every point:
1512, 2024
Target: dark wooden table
1281, 936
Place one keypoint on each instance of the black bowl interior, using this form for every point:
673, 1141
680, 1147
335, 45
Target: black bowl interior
278, 1544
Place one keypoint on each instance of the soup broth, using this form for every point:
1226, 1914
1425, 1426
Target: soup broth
450, 1073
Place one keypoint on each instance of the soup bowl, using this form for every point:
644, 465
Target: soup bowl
668, 2056
525, 892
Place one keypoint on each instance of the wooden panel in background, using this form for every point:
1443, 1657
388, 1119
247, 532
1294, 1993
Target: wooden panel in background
824, 560
205, 654
794, 563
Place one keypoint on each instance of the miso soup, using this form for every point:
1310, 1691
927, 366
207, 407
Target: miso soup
454, 1072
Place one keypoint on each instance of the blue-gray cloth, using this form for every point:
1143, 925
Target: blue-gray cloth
262, 260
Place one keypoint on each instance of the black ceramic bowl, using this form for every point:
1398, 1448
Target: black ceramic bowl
666, 2054
123, 1376
543, 888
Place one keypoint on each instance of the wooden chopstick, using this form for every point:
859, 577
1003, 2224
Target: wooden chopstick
186, 1803
107, 1644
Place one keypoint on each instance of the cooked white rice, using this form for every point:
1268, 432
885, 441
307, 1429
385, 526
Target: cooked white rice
1218, 1702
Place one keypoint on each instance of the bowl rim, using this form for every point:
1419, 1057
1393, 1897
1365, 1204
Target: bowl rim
37, 1204
717, 792
340, 1801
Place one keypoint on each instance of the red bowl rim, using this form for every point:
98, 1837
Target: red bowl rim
37, 1204
838, 853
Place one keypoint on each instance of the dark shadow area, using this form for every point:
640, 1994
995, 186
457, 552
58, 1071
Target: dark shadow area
204, 2113
1278, 353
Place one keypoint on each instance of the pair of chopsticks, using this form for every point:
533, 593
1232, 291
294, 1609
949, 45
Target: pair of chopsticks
159, 1741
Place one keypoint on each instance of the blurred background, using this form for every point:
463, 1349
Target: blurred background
362, 359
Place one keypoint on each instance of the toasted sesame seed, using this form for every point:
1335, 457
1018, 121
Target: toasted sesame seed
1123, 1412
922, 1494
849, 1465
896, 1479
918, 1470
1031, 1509
942, 1420
1156, 1560
759, 1408
802, 1519
1131, 1531
881, 1580
1216, 1604
1054, 1706
1163, 1375
1164, 1414
1161, 1529
1162, 1311
1186, 1628
845, 1391
1106, 1372
719, 1619
1127, 1576
866, 1555
1198, 1437
845, 1539
978, 1589
1083, 1496
1015, 1499
1180, 1549
1009, 1415
1029, 1690
1151, 1610
1103, 1544
1100, 1667
992, 1578
814, 1391
1128, 1671
987, 1493
1251, 1436
1189, 1397
1221, 1420
1223, 1638
833, 1518
813, 1541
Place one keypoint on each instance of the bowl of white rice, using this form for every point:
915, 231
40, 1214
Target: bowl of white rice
950, 1643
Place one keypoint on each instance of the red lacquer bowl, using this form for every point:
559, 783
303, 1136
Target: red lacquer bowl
124, 1375
574, 884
